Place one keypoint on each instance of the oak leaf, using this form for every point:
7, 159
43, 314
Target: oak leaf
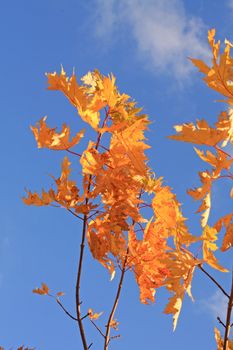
209, 237
44, 290
93, 315
48, 138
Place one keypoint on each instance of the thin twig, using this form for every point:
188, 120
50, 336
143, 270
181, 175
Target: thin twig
85, 316
64, 309
98, 329
108, 327
221, 322
77, 216
214, 281
78, 309
228, 317
72, 152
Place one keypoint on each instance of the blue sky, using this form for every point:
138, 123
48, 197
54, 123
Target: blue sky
146, 45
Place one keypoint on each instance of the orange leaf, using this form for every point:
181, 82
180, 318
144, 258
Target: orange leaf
48, 138
92, 315
44, 290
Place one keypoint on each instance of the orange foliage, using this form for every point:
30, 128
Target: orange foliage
118, 183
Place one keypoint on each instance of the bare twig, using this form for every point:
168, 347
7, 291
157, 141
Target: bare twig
78, 309
221, 322
214, 281
64, 309
85, 316
108, 326
228, 317
72, 152
98, 329
77, 216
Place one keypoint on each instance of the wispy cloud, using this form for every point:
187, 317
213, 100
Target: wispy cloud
165, 34
230, 4
216, 305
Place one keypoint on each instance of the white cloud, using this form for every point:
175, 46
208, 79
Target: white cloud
164, 33
230, 4
216, 305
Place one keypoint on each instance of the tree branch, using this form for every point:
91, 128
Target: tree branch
77, 216
82, 246
221, 322
75, 153
78, 301
98, 329
228, 317
64, 309
108, 327
214, 281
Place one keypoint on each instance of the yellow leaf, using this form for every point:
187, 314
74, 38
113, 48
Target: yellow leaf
205, 206
201, 133
209, 236
92, 315
228, 238
77, 95
114, 324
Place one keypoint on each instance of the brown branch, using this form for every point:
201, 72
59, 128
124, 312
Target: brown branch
108, 326
64, 309
82, 246
78, 301
77, 216
85, 316
228, 317
75, 153
221, 322
98, 329
214, 281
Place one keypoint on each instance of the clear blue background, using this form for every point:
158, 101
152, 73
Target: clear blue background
42, 244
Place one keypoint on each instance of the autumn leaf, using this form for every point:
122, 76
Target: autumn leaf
181, 267
114, 324
219, 341
147, 259
93, 315
48, 138
228, 238
44, 290
201, 133
200, 65
209, 237
77, 95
